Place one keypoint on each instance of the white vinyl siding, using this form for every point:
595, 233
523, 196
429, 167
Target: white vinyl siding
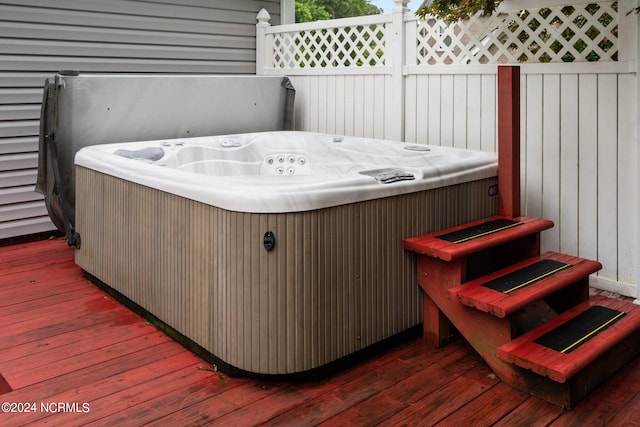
41, 37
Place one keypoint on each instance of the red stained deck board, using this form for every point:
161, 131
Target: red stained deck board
446, 400
488, 408
429, 244
57, 342
48, 343
43, 249
286, 406
315, 404
34, 276
153, 407
533, 412
606, 403
176, 384
151, 400
407, 391
396, 397
72, 292
39, 248
265, 395
33, 313
264, 398
560, 367
21, 257
628, 416
211, 409
178, 403
32, 319
118, 365
126, 370
96, 391
62, 325
352, 393
21, 367
473, 294
28, 287
89, 358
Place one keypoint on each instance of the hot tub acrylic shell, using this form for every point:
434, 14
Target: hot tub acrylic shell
336, 280
285, 171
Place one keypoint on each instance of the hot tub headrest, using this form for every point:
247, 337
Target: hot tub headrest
80, 110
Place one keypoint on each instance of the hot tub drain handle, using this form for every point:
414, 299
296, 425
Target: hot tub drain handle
269, 240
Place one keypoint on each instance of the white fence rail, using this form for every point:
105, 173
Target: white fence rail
396, 77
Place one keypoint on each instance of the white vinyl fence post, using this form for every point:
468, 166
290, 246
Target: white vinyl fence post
630, 50
627, 30
396, 47
263, 18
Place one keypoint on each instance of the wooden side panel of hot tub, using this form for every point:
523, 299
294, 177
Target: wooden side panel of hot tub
336, 281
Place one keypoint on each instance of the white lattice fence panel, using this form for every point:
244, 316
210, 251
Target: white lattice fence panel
348, 46
587, 32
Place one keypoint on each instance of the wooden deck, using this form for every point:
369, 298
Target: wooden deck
72, 355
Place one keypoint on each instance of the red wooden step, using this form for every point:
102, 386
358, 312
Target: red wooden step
433, 245
561, 367
500, 304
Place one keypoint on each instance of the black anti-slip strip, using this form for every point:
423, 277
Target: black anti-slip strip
572, 334
478, 230
526, 276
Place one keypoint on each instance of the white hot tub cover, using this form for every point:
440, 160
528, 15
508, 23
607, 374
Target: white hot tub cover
81, 110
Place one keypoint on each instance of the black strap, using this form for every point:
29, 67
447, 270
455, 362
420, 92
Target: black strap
73, 238
56, 204
289, 117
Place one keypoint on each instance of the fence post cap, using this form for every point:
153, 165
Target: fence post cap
401, 5
263, 18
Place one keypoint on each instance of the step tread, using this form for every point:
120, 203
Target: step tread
560, 367
432, 244
500, 304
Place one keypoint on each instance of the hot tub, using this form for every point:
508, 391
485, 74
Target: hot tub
275, 252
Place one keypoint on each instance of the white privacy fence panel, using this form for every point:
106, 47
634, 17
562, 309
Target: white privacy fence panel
579, 168
454, 110
344, 104
579, 107
578, 161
